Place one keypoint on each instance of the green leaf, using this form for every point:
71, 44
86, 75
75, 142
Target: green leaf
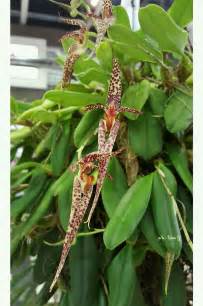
102, 298
65, 201
86, 128
139, 254
150, 232
185, 198
84, 64
176, 288
178, 158
43, 115
121, 16
156, 23
129, 212
31, 194
93, 75
170, 178
178, 112
18, 107
104, 55
66, 300
38, 110
164, 214
77, 87
84, 272
135, 45
47, 257
145, 136
121, 289
45, 143
181, 16
135, 97
18, 135
60, 148
113, 190
67, 98
157, 101
124, 287
25, 227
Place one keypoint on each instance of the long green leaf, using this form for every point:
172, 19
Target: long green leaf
164, 212
70, 98
65, 201
84, 272
86, 128
128, 213
145, 136
121, 289
113, 189
156, 23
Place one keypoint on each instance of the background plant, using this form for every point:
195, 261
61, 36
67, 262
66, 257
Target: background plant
143, 222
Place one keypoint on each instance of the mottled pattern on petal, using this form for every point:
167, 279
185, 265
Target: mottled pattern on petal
107, 9
112, 137
103, 164
80, 201
91, 157
129, 110
75, 50
101, 136
103, 22
74, 34
77, 22
115, 86
68, 66
101, 27
94, 106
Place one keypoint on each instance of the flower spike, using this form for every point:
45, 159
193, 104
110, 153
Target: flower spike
68, 65
102, 22
108, 127
75, 50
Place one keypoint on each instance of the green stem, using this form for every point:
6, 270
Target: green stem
96, 231
27, 165
93, 34
44, 106
68, 8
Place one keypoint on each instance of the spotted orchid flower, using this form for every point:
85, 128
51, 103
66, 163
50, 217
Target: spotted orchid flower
108, 127
82, 191
75, 49
103, 22
113, 106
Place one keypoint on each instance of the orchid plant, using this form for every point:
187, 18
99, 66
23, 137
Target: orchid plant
108, 140
107, 133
